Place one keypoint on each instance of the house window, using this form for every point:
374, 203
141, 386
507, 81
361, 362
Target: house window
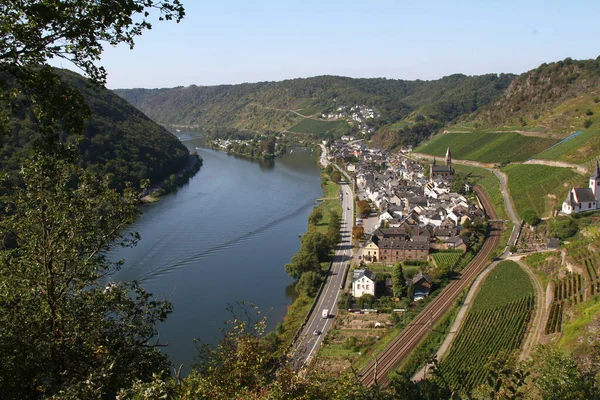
367, 287
589, 205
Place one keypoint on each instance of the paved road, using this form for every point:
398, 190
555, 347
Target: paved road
308, 343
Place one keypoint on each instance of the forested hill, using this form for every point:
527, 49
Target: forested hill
276, 106
556, 98
120, 141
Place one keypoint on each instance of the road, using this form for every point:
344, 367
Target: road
308, 343
376, 372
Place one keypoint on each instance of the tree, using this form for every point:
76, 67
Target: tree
309, 283
364, 209
398, 280
61, 327
366, 300
336, 177
556, 376
530, 217
315, 216
333, 229
34, 32
562, 227
358, 232
303, 261
315, 242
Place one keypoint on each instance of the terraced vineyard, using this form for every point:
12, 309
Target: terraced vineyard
590, 263
568, 291
497, 322
446, 259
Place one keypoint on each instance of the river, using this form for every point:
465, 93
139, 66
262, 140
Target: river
223, 237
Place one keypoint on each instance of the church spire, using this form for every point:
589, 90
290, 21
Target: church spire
596, 173
448, 158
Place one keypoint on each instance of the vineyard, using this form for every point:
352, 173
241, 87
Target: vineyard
537, 187
568, 291
487, 147
497, 322
446, 260
589, 262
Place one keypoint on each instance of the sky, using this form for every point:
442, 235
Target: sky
236, 41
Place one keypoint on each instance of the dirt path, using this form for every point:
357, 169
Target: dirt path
580, 169
454, 161
537, 324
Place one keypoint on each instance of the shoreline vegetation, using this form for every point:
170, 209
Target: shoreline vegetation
174, 181
318, 246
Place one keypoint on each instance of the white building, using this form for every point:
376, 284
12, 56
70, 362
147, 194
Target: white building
584, 199
363, 282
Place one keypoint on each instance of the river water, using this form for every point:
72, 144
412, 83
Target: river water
223, 237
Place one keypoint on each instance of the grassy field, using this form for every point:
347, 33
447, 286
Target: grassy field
319, 127
578, 150
488, 181
539, 187
496, 322
487, 147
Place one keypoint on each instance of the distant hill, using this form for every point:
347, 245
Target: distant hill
277, 106
556, 98
120, 141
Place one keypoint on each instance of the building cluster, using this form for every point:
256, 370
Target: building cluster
358, 114
417, 213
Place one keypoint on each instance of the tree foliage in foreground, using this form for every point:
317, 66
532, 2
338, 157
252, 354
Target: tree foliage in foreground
62, 328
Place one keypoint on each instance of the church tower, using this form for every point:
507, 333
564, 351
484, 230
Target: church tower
595, 181
448, 158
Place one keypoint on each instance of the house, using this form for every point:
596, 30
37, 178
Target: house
393, 250
422, 286
363, 282
584, 199
371, 252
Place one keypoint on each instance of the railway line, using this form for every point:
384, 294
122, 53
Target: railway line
376, 372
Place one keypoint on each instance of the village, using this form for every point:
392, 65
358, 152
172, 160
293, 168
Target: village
413, 211
411, 234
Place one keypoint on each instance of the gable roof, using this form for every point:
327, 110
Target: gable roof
584, 195
359, 273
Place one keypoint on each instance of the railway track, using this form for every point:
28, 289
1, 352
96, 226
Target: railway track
376, 372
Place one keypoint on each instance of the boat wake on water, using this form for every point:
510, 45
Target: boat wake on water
191, 259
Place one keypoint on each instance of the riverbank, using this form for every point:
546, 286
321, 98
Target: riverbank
174, 181
324, 220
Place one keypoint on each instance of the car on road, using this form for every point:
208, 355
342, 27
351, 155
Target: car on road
317, 332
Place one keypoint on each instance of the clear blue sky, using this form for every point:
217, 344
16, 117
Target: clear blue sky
235, 41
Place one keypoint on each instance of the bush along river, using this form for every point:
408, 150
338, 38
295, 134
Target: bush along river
224, 237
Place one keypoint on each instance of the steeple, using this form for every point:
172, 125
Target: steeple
448, 158
596, 173
434, 161
595, 181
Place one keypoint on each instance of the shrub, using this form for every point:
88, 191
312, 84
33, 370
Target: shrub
587, 123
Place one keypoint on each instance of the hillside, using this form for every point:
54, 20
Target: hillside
556, 98
297, 104
120, 142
